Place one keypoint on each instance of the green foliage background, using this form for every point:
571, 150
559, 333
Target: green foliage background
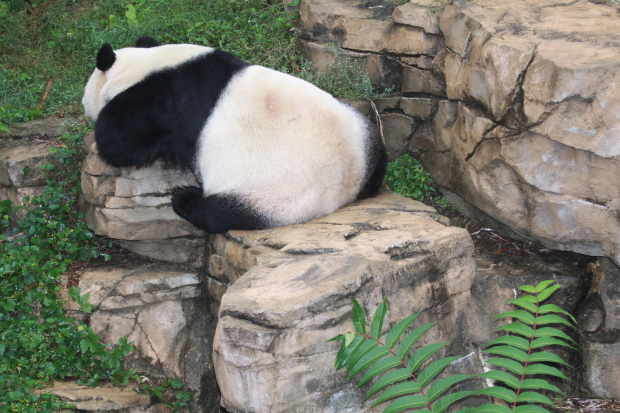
59, 39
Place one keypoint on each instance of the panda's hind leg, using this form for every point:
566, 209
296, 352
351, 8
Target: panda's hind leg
217, 213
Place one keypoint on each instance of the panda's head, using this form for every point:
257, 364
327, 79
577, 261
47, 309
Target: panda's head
118, 70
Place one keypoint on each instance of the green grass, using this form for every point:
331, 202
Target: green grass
58, 39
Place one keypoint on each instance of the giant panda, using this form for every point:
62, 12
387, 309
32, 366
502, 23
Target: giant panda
269, 149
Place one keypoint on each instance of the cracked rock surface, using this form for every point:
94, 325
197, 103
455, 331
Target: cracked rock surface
536, 135
294, 295
161, 309
524, 120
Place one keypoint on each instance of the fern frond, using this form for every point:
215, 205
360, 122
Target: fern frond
522, 315
443, 385
423, 354
411, 379
499, 392
380, 367
433, 369
377, 321
386, 362
509, 351
407, 402
493, 408
520, 351
390, 378
548, 341
514, 341
359, 318
411, 339
552, 332
502, 376
518, 328
529, 384
528, 408
533, 397
346, 350
540, 368
368, 360
399, 389
397, 331
445, 402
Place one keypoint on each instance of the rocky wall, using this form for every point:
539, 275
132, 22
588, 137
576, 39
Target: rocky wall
515, 105
514, 110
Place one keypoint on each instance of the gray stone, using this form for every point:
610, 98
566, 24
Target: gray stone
353, 27
47, 128
22, 155
399, 128
417, 80
276, 318
602, 358
422, 108
186, 250
419, 15
161, 308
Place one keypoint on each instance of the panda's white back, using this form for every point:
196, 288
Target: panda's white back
283, 144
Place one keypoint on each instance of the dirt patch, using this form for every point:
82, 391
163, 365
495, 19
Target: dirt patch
507, 256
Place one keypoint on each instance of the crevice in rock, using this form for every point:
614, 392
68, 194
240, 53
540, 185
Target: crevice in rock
311, 251
516, 111
559, 4
113, 289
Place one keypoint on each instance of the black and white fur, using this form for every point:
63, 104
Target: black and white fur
270, 149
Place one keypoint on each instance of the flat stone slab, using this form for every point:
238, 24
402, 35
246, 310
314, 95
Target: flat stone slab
102, 398
291, 289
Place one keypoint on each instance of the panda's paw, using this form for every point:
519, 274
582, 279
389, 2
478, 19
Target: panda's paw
185, 199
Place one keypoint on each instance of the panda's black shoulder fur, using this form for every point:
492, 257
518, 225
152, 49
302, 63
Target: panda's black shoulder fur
163, 114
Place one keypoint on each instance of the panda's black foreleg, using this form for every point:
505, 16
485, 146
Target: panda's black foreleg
215, 213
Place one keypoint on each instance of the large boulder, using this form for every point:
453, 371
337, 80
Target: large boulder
161, 308
534, 139
290, 290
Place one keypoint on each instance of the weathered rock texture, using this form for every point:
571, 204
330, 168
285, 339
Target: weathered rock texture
514, 108
529, 134
270, 349
161, 308
104, 398
134, 205
27, 146
534, 140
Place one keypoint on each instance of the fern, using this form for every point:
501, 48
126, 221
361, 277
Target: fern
413, 387
520, 353
399, 375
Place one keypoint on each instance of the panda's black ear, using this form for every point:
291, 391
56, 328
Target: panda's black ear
105, 58
146, 42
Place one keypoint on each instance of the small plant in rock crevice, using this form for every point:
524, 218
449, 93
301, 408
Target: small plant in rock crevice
407, 376
408, 178
345, 78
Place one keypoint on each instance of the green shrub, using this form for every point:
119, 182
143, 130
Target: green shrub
408, 178
407, 377
39, 343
